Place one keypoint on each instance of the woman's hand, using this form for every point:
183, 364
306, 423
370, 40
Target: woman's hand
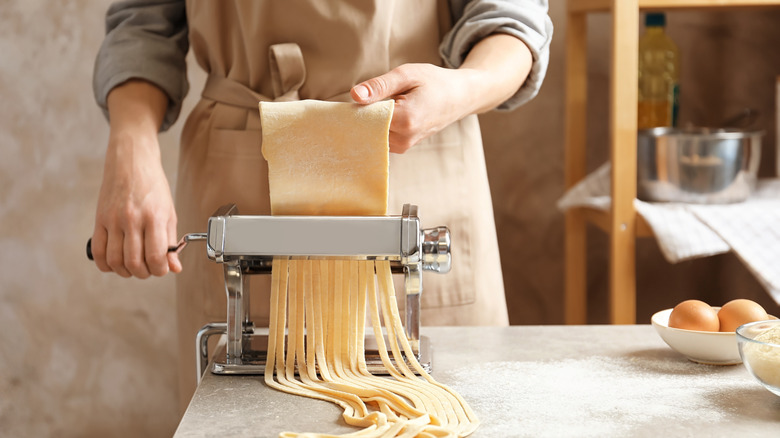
428, 98
136, 220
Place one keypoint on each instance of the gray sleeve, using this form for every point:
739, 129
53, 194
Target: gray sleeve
145, 40
525, 19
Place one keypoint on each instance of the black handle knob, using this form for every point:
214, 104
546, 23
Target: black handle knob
89, 249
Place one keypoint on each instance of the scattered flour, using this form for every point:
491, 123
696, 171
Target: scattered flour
589, 397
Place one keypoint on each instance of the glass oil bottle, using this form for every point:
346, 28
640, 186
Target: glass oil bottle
659, 72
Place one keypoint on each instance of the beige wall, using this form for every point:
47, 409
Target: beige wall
87, 354
81, 353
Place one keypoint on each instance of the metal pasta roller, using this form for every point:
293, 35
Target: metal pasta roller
246, 245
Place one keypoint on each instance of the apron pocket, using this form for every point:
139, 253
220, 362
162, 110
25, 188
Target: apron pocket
235, 143
233, 171
448, 138
431, 176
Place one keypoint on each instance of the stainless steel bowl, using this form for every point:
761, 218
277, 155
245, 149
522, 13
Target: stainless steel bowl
697, 165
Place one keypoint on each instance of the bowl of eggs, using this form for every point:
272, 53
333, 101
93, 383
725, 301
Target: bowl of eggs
707, 334
759, 347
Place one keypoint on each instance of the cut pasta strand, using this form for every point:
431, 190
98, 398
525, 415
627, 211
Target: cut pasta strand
324, 306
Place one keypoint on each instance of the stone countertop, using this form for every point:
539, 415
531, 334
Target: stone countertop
535, 381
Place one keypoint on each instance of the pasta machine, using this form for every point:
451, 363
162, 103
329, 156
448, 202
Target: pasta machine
246, 245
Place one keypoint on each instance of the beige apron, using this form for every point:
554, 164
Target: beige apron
303, 49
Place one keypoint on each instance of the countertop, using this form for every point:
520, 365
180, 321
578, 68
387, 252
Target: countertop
535, 381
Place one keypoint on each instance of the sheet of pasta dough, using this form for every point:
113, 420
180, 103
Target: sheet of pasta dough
327, 158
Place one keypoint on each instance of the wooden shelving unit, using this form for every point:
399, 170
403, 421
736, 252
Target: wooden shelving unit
621, 222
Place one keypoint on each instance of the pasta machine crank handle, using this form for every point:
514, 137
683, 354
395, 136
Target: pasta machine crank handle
187, 238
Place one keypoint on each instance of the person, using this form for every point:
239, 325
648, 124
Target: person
441, 62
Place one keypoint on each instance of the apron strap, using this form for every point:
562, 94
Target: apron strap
288, 72
287, 76
229, 92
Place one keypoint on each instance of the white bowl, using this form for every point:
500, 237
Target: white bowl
712, 348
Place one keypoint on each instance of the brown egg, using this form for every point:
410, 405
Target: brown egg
741, 311
694, 315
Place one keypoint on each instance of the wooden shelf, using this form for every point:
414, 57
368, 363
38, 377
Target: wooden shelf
600, 218
606, 5
622, 223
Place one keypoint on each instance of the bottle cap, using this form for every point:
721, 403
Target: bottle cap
655, 19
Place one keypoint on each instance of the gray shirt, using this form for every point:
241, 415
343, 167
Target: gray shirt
148, 40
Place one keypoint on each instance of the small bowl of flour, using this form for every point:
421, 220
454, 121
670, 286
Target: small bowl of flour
759, 347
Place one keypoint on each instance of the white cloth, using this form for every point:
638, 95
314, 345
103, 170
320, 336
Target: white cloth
686, 231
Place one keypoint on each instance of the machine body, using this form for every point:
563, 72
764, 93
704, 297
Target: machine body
247, 245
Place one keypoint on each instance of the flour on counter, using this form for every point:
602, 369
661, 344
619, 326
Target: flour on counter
595, 396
